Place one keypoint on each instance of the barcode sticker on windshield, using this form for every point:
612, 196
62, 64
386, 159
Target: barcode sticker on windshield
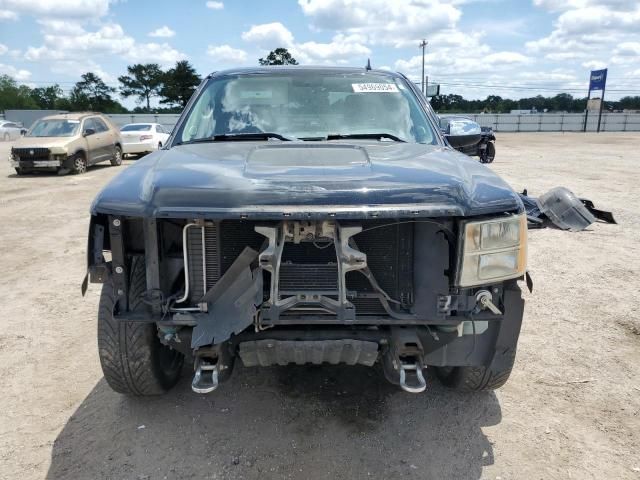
374, 87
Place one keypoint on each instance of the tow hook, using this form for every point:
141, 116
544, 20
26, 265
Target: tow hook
485, 301
205, 380
414, 366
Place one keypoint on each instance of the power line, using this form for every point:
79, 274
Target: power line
530, 88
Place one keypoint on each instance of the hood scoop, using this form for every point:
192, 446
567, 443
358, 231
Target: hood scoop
307, 160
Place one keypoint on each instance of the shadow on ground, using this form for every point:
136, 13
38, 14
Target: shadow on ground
296, 422
50, 173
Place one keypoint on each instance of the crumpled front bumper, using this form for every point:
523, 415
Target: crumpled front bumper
35, 163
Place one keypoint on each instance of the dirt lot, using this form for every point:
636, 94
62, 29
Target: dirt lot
570, 410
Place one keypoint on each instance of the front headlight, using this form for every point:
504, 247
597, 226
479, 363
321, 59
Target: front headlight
492, 250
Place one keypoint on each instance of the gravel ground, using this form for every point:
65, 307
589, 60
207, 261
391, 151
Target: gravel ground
570, 410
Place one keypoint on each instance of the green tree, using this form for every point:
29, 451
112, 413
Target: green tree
562, 102
179, 83
142, 81
632, 103
91, 93
13, 95
47, 97
279, 56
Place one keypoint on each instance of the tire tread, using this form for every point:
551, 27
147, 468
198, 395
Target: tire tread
127, 350
479, 378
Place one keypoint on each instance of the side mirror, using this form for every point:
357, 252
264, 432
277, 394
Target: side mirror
463, 133
88, 131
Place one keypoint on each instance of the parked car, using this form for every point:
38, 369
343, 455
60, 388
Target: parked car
67, 142
10, 130
480, 144
143, 137
307, 216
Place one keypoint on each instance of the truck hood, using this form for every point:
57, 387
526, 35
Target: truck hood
306, 180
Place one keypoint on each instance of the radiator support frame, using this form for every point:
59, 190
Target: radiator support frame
270, 260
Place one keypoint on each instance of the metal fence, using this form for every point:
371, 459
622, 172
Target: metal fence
167, 120
559, 122
501, 122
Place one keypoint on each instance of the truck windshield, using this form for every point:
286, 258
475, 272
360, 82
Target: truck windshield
54, 128
307, 106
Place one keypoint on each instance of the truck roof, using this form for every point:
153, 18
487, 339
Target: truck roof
299, 69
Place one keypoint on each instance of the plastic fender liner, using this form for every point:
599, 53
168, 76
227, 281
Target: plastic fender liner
98, 270
231, 302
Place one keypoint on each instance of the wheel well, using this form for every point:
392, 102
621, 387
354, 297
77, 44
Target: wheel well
81, 152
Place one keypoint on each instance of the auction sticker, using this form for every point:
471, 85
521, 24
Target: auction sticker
374, 87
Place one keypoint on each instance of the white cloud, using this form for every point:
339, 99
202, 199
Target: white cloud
455, 52
8, 15
60, 44
163, 53
399, 23
505, 58
594, 65
17, 74
586, 27
631, 49
225, 54
162, 32
215, 5
592, 34
57, 8
339, 49
562, 5
3, 49
269, 36
69, 47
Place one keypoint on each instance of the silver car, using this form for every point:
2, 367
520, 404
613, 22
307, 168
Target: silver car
10, 130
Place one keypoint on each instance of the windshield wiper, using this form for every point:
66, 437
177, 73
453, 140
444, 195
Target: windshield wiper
364, 136
231, 137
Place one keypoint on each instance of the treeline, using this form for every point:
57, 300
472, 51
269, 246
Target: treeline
172, 88
563, 102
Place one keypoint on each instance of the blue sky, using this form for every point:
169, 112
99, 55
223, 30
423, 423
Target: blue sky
512, 48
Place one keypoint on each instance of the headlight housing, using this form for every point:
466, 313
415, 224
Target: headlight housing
492, 250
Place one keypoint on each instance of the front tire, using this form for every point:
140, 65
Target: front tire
116, 161
490, 154
476, 379
78, 164
133, 359
19, 171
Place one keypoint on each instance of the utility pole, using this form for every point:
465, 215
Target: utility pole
423, 45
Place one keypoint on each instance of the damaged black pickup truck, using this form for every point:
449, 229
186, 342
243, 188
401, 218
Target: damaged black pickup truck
307, 216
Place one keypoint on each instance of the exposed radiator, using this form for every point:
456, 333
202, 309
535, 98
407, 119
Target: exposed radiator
213, 248
203, 254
